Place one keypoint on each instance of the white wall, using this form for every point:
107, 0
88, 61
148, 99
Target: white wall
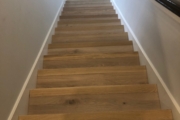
158, 33
24, 25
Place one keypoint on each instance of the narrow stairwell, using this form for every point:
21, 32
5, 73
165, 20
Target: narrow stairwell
91, 71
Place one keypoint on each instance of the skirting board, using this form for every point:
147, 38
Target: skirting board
21, 104
167, 99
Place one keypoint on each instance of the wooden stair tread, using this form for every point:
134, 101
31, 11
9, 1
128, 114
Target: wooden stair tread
146, 88
95, 59
90, 36
90, 39
89, 44
90, 47
88, 21
89, 28
86, 25
90, 70
103, 26
94, 32
90, 33
117, 115
101, 79
89, 56
89, 11
88, 5
85, 15
89, 8
86, 99
86, 2
88, 16
91, 50
98, 76
91, 60
110, 11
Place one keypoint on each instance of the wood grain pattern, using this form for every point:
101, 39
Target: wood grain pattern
93, 103
88, 16
89, 12
86, 25
82, 21
86, 2
89, 5
97, 76
89, 28
116, 89
91, 70
94, 32
91, 60
88, 38
102, 49
117, 115
89, 44
89, 8
79, 99
91, 35
97, 79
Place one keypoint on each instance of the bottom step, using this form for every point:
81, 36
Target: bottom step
126, 115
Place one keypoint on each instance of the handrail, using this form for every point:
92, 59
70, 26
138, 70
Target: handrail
172, 5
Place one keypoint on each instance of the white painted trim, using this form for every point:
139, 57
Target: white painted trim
146, 56
35, 63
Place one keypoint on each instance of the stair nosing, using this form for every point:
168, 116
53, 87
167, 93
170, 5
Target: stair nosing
92, 55
64, 46
90, 70
87, 90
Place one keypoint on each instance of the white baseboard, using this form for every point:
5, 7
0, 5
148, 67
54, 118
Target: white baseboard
133, 37
21, 103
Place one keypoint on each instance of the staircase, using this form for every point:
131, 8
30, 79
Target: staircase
91, 71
